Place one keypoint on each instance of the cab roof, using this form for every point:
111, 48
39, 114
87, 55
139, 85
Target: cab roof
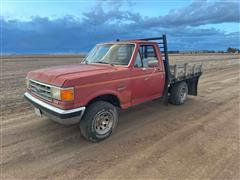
129, 41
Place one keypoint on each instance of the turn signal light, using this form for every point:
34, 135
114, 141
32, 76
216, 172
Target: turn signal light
67, 95
62, 94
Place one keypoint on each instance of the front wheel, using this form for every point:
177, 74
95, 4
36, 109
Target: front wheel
99, 121
178, 93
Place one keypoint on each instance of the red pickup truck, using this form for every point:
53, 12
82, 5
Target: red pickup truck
114, 75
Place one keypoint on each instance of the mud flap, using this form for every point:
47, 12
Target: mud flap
193, 86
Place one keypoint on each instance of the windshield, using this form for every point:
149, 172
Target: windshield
115, 54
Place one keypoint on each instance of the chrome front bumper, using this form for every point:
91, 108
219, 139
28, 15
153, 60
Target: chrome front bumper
66, 117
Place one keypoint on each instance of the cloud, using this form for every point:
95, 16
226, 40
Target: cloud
116, 4
201, 13
71, 34
196, 14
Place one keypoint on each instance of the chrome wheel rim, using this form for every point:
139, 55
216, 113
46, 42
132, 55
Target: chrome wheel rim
183, 93
103, 122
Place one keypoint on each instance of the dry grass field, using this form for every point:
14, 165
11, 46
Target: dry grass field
198, 140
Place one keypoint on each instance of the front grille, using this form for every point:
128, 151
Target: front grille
40, 89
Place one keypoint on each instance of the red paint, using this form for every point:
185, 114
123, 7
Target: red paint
129, 84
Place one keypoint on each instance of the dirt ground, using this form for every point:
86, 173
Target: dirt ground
198, 140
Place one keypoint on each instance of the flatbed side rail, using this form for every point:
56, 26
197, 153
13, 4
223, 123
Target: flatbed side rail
185, 71
189, 73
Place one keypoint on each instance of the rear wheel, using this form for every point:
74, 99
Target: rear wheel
99, 121
179, 93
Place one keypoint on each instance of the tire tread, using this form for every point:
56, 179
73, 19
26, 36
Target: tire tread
86, 122
175, 93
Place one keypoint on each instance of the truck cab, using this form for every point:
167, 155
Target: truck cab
114, 75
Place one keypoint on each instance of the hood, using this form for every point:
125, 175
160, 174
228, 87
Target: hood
58, 74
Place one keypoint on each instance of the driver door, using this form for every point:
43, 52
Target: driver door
148, 78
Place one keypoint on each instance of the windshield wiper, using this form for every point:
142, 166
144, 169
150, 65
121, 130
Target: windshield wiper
102, 62
84, 61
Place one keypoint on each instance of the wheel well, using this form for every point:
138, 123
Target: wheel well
108, 98
191, 83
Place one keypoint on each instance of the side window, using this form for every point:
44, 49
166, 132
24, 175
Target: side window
138, 61
146, 57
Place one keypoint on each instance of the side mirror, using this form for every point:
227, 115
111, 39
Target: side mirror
152, 63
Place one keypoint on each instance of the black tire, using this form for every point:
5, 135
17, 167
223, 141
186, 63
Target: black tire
92, 122
178, 93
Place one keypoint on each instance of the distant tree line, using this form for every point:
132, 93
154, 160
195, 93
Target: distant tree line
233, 50
229, 50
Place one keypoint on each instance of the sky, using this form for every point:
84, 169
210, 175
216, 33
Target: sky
75, 26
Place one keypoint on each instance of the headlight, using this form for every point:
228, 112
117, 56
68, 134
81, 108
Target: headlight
62, 94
